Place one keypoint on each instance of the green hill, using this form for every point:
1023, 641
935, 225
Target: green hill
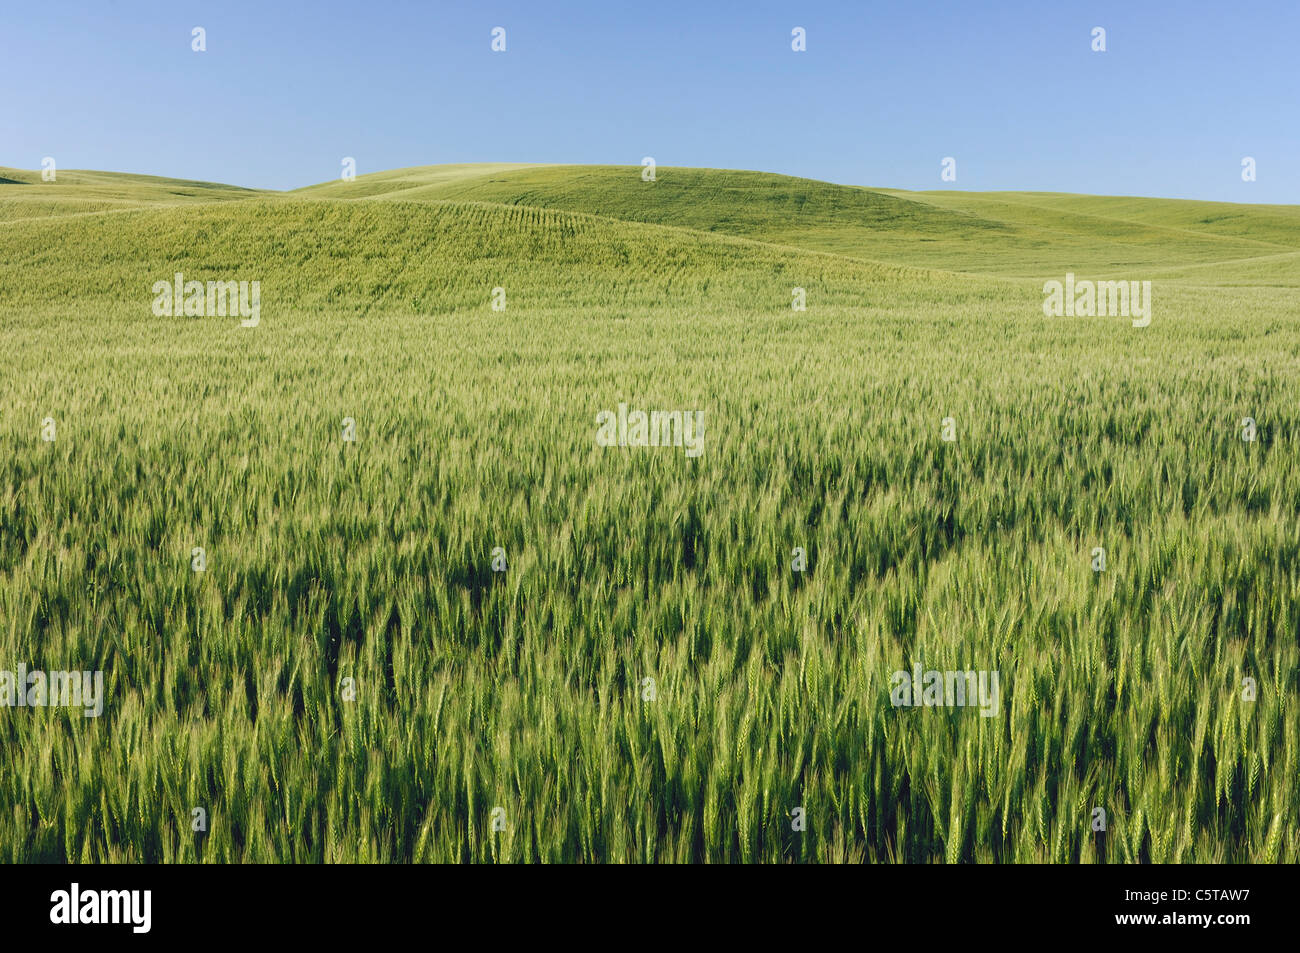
1026, 235
23, 195
1021, 234
429, 258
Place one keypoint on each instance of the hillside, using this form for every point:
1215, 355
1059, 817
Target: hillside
23, 195
1023, 235
423, 258
1016, 234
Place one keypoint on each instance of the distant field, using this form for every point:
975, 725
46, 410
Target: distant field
336, 566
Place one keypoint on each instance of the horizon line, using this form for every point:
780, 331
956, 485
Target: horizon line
611, 165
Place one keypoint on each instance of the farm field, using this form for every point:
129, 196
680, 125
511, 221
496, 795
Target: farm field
648, 677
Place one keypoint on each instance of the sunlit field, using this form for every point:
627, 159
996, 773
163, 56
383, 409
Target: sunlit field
364, 585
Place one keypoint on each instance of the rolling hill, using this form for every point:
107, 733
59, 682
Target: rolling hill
1020, 234
1004, 234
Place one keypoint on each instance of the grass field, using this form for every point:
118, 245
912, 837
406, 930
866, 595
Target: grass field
649, 678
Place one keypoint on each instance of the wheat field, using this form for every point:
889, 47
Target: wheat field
464, 631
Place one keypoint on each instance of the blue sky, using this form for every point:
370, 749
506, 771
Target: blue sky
883, 93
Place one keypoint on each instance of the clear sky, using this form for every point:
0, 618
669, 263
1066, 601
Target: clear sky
885, 90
